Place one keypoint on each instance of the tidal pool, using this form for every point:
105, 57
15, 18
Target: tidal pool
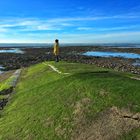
137, 63
112, 54
1, 69
14, 50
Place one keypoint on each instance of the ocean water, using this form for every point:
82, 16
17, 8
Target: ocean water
1, 67
24, 45
1, 72
45, 45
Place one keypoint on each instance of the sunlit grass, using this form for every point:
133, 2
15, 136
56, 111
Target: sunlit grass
44, 103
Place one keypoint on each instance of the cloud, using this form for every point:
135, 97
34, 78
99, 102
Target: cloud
125, 37
95, 18
109, 28
56, 24
3, 30
120, 34
31, 24
85, 28
37, 30
28, 25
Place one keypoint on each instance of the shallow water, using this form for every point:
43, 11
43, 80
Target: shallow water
137, 63
46, 45
1, 69
1, 72
14, 50
112, 54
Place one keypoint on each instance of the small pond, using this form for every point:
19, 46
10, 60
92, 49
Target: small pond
1, 69
137, 63
12, 50
112, 54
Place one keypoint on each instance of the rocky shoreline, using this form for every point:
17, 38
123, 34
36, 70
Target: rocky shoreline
71, 54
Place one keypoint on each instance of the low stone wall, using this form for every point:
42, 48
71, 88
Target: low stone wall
8, 91
3, 103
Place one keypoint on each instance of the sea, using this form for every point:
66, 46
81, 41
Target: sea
46, 45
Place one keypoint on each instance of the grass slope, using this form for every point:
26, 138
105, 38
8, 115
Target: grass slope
5, 80
44, 104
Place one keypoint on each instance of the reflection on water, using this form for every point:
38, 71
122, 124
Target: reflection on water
1, 72
112, 54
1, 69
14, 50
137, 63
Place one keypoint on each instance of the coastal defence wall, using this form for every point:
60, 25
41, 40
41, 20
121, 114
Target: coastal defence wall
7, 92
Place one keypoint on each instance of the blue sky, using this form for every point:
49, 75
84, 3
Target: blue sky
71, 21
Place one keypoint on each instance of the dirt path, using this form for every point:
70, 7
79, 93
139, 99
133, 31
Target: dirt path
54, 68
135, 78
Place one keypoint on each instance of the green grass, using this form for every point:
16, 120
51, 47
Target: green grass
45, 100
6, 84
7, 78
3, 97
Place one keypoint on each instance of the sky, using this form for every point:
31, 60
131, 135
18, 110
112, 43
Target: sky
71, 21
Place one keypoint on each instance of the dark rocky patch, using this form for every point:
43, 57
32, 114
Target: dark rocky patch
3, 103
6, 91
70, 54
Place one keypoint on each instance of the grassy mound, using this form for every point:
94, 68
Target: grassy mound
53, 106
5, 80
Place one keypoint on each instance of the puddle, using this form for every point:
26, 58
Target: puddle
137, 63
1, 69
1, 72
14, 50
112, 54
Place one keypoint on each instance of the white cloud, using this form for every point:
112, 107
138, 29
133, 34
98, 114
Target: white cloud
106, 35
94, 18
34, 24
28, 25
109, 28
23, 29
85, 28
74, 38
102, 37
3, 30
120, 34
